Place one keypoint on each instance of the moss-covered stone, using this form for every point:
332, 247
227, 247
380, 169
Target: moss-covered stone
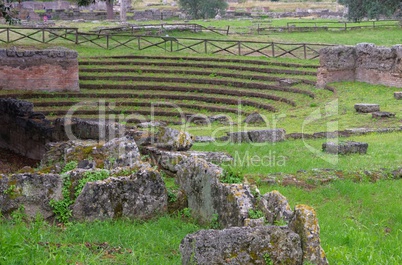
305, 224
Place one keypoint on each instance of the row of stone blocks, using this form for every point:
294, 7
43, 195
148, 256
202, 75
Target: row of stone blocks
374, 109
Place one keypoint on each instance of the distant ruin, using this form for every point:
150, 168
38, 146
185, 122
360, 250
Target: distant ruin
365, 63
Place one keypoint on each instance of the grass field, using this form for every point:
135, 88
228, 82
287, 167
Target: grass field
360, 218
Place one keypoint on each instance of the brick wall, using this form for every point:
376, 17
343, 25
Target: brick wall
50, 69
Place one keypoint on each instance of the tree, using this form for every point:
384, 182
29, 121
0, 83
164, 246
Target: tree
203, 8
109, 6
7, 12
372, 9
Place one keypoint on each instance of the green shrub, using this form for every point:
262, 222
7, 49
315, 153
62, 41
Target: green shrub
61, 208
91, 176
255, 214
231, 175
69, 166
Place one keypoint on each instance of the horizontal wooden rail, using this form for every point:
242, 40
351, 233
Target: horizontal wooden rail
171, 44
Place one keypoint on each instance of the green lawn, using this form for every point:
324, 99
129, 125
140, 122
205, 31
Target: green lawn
361, 223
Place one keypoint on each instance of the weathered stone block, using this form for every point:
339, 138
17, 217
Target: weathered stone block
208, 197
204, 139
169, 160
120, 152
382, 114
262, 136
239, 137
367, 108
173, 140
50, 70
242, 245
221, 118
345, 148
254, 118
398, 95
305, 224
139, 196
33, 191
258, 136
254, 222
75, 128
275, 207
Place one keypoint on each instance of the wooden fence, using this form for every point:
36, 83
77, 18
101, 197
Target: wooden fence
305, 26
61, 36
161, 28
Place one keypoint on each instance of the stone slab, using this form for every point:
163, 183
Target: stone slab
366, 107
345, 148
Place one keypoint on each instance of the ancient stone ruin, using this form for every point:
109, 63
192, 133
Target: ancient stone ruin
345, 148
258, 136
365, 63
367, 108
50, 69
27, 132
293, 243
126, 186
398, 95
382, 114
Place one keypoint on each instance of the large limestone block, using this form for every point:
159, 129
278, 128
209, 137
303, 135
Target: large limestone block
173, 140
139, 196
275, 207
32, 191
208, 197
242, 245
305, 224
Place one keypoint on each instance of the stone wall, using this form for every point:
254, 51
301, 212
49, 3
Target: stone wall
22, 130
365, 63
35, 5
50, 69
27, 133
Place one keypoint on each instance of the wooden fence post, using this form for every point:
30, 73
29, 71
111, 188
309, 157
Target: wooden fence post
8, 35
305, 51
43, 35
206, 46
273, 49
107, 42
239, 47
76, 36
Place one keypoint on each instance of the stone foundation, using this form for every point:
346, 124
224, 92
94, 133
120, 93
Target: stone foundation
27, 132
365, 63
22, 130
50, 69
